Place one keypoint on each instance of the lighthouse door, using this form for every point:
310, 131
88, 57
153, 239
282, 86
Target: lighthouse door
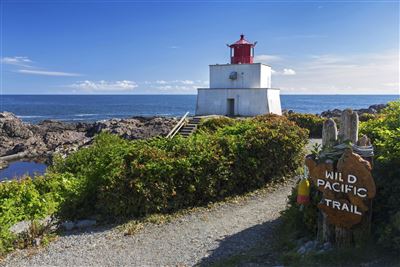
231, 107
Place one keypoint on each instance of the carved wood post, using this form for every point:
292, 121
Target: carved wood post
329, 133
348, 130
344, 179
329, 139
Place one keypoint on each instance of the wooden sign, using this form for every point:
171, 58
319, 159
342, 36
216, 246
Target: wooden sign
347, 188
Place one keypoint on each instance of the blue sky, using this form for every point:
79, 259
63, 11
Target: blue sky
165, 47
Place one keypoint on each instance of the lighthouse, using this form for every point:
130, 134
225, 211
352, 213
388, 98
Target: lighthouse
241, 88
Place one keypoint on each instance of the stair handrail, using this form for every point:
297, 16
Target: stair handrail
178, 126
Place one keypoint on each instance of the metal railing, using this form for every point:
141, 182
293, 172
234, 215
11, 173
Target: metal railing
178, 126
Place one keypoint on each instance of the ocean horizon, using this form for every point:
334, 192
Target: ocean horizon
81, 108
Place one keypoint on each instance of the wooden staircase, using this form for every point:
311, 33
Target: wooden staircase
190, 127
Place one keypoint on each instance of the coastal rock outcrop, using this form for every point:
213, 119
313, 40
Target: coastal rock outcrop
373, 109
14, 134
134, 128
48, 136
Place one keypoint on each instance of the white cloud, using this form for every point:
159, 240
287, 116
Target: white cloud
285, 71
25, 62
160, 82
48, 73
370, 73
176, 86
393, 84
187, 82
267, 58
288, 72
17, 60
102, 85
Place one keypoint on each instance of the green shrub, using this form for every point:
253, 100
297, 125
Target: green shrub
367, 117
213, 124
384, 132
119, 178
312, 123
26, 200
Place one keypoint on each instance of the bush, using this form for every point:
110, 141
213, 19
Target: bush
312, 123
213, 124
384, 132
367, 116
26, 200
119, 178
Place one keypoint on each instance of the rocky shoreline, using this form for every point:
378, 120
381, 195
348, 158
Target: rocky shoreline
20, 140
373, 109
24, 140
336, 113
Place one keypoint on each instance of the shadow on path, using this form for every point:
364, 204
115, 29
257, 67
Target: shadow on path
239, 247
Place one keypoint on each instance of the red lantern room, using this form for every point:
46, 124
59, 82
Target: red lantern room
242, 51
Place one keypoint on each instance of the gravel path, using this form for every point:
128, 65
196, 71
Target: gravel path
200, 237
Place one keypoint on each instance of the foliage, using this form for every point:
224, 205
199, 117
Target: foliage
26, 200
367, 117
384, 132
312, 123
214, 123
119, 178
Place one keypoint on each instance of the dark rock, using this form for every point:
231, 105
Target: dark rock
12, 126
373, 109
54, 136
378, 107
134, 128
17, 149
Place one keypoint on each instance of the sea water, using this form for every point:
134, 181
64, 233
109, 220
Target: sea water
35, 108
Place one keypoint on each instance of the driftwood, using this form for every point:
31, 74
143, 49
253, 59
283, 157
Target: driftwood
329, 133
16, 156
348, 130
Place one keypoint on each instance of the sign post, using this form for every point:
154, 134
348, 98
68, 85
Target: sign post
342, 174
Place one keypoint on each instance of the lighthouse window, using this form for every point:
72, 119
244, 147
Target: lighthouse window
233, 75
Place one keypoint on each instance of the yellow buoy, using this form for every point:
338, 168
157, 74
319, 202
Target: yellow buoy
303, 192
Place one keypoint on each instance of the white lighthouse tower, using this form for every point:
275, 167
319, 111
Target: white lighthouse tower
242, 88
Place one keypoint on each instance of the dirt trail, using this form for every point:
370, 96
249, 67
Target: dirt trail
200, 237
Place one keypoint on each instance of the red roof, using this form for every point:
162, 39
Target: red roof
242, 41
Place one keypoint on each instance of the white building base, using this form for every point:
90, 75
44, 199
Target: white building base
238, 102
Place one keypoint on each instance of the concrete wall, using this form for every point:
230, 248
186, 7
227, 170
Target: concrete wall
248, 101
248, 76
274, 101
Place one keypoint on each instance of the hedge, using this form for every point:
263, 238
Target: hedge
385, 134
136, 178
214, 123
116, 178
312, 123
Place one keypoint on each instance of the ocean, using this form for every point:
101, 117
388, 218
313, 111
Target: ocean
35, 108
